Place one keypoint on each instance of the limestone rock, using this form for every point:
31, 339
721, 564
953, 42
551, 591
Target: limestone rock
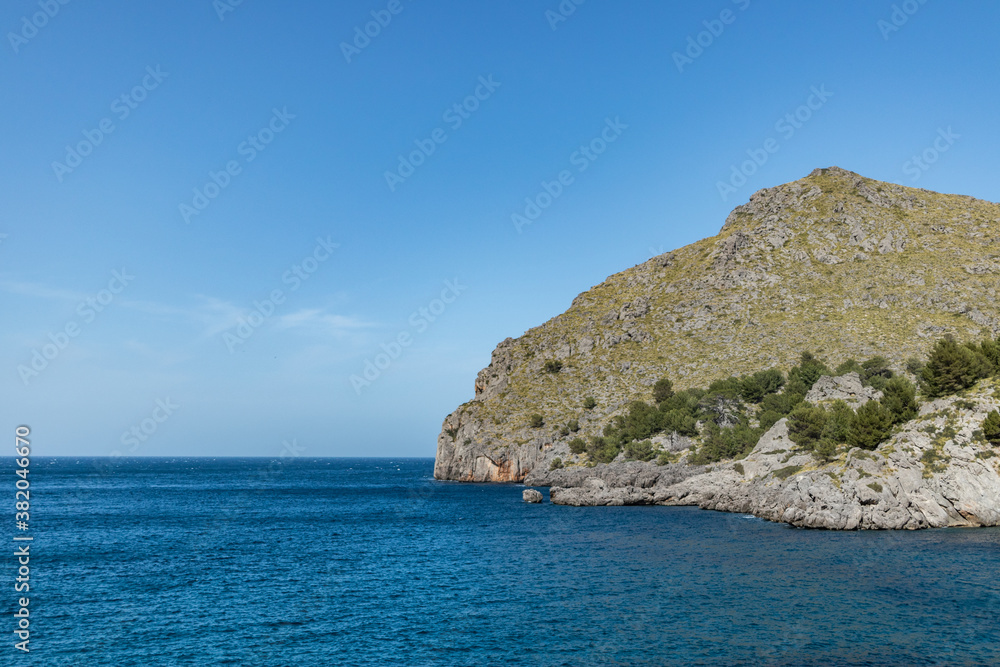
531, 496
847, 388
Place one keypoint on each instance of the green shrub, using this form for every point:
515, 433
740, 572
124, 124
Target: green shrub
984, 366
825, 449
839, 419
899, 397
784, 402
768, 418
564, 431
662, 390
556, 464
640, 451
805, 425
876, 372
589, 403
933, 462
950, 368
721, 406
875, 486
991, 428
727, 443
573, 425
640, 422
729, 386
753, 388
808, 371
738, 467
991, 350
849, 366
577, 446
553, 366
681, 422
536, 421
915, 366
785, 473
871, 425
665, 457
602, 450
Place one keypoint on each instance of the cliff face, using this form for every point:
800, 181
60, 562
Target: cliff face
833, 263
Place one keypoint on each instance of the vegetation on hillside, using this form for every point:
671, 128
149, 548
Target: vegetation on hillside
727, 418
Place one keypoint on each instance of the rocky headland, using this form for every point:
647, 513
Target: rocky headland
834, 263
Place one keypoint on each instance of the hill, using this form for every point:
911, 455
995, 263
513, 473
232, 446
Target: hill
834, 263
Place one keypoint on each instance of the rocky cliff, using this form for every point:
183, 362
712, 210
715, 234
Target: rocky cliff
834, 263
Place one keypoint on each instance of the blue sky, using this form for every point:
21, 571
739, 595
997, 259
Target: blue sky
160, 349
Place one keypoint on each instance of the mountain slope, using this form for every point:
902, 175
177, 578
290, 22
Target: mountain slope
833, 263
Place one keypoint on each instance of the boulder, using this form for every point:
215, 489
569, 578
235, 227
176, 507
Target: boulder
847, 388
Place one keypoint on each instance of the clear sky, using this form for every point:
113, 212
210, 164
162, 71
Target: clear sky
205, 150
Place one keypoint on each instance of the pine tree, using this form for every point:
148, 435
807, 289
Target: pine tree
871, 425
753, 388
951, 368
808, 371
991, 428
662, 390
805, 425
838, 422
899, 397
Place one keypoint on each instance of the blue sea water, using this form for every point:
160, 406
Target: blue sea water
372, 562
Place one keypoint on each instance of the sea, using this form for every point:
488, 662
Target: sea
301, 561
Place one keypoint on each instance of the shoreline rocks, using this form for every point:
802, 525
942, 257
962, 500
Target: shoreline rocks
936, 471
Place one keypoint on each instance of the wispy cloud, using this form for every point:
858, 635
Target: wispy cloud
39, 291
319, 321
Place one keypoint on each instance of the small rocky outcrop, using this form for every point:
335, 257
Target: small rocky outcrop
847, 388
531, 496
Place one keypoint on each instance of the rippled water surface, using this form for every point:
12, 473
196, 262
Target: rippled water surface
372, 562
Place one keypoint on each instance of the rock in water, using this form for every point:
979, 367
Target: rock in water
531, 496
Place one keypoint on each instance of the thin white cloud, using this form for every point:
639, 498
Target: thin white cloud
39, 291
211, 314
318, 320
